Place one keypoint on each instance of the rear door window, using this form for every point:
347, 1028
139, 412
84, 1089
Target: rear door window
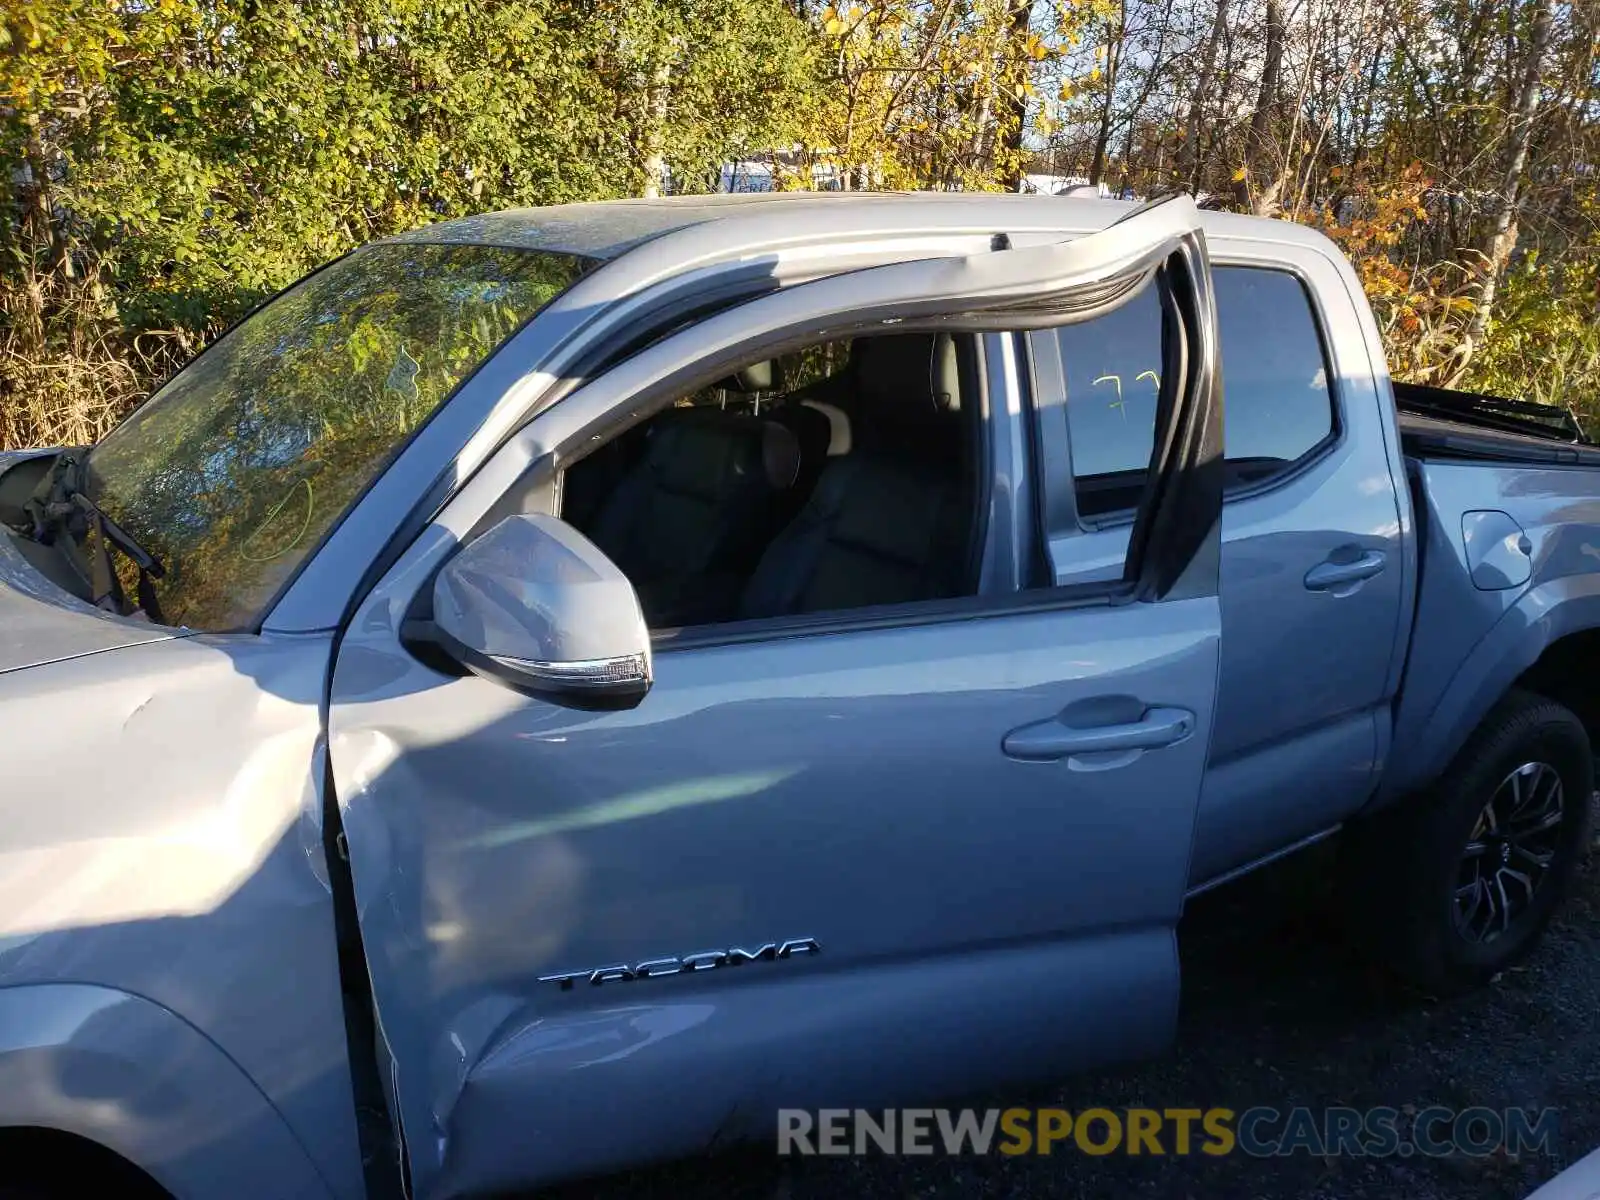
1277, 406
1277, 403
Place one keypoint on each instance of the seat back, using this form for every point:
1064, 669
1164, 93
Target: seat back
888, 522
703, 499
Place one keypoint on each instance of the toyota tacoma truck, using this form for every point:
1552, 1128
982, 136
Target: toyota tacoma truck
551, 688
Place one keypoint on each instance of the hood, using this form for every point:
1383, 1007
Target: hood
40, 623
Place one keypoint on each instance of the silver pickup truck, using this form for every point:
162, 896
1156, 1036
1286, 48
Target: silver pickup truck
551, 688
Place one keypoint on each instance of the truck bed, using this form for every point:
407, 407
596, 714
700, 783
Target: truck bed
1437, 423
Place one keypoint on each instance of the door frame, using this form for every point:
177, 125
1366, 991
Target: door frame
998, 292
571, 342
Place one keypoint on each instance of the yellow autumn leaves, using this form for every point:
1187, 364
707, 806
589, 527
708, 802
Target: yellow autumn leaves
948, 93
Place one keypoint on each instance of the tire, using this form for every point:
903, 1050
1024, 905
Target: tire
67, 1181
44, 1164
1456, 884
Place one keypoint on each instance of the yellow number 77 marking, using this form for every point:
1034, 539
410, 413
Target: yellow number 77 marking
1119, 403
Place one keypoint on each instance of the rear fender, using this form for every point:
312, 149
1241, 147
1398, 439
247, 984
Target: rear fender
1542, 616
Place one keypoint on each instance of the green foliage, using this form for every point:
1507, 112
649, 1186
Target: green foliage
704, 81
166, 164
1544, 344
179, 160
937, 93
259, 141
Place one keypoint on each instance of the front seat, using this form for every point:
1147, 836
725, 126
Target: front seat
689, 522
890, 522
819, 429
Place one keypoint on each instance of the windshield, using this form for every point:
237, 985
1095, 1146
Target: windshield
233, 472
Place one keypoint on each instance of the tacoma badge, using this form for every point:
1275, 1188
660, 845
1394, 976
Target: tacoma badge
705, 960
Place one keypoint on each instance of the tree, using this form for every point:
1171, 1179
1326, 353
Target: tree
178, 159
703, 81
935, 93
182, 159
1502, 235
1266, 101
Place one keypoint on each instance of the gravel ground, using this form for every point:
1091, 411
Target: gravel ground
1277, 1010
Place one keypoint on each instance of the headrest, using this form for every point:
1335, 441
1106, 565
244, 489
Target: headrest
757, 377
780, 455
838, 426
696, 451
914, 372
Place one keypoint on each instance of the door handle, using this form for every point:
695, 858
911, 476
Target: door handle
1340, 577
1044, 741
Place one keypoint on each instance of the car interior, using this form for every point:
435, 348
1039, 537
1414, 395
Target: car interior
841, 476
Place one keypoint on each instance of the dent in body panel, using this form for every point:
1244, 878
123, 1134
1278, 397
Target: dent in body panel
847, 787
1294, 660
557, 1086
857, 775
174, 853
1470, 644
1303, 674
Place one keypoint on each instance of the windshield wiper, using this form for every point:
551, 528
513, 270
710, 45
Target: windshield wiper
62, 504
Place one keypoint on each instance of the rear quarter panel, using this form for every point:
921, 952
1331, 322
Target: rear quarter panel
1470, 645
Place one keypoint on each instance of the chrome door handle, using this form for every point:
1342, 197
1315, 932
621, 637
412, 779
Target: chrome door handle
1338, 577
1043, 741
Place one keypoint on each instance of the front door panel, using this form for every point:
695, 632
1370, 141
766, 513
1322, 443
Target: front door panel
849, 789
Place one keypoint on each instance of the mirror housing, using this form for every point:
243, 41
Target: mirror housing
535, 605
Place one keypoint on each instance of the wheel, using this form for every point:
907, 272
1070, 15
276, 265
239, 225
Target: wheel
45, 1164
1458, 883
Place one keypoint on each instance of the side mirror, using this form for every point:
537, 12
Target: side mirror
533, 604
